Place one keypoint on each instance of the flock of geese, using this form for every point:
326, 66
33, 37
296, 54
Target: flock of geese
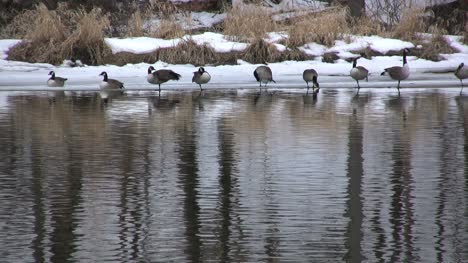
262, 74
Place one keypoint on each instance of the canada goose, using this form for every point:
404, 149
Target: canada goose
397, 72
54, 81
358, 73
108, 83
201, 77
161, 76
311, 75
110, 88
263, 74
461, 73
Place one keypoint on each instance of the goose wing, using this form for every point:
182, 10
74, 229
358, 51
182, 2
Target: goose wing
115, 84
166, 74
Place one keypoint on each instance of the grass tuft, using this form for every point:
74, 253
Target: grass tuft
259, 51
323, 28
247, 22
465, 37
168, 26
135, 24
365, 26
87, 40
53, 36
187, 51
437, 45
410, 25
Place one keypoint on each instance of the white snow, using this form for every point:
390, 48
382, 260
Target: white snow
189, 21
5, 45
204, 19
142, 45
376, 43
139, 45
287, 74
217, 42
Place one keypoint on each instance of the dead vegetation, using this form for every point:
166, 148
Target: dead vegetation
410, 25
465, 37
168, 23
187, 51
323, 28
248, 22
55, 35
436, 45
259, 51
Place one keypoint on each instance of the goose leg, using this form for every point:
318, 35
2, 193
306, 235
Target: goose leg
461, 81
200, 87
398, 87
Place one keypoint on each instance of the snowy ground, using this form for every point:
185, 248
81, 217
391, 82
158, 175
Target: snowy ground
16, 75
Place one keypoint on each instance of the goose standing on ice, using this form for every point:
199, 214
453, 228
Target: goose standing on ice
108, 83
358, 73
461, 73
161, 76
263, 74
399, 72
311, 75
54, 81
201, 76
109, 87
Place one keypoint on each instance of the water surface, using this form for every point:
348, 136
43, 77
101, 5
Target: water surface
234, 176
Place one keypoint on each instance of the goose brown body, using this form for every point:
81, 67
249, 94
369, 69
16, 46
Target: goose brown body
263, 74
311, 75
358, 72
201, 76
399, 72
161, 76
54, 81
461, 73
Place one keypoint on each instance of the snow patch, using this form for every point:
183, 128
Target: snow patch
5, 45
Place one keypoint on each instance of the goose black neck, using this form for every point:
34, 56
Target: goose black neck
404, 58
354, 63
149, 70
105, 77
52, 76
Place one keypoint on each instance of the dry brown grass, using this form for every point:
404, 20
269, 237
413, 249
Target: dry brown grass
437, 45
53, 36
260, 51
135, 24
187, 51
365, 26
167, 29
169, 26
124, 58
87, 40
465, 37
411, 23
294, 54
323, 28
39, 24
247, 22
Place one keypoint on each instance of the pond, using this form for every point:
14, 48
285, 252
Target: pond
234, 176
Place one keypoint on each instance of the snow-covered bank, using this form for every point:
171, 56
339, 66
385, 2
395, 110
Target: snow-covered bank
287, 73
